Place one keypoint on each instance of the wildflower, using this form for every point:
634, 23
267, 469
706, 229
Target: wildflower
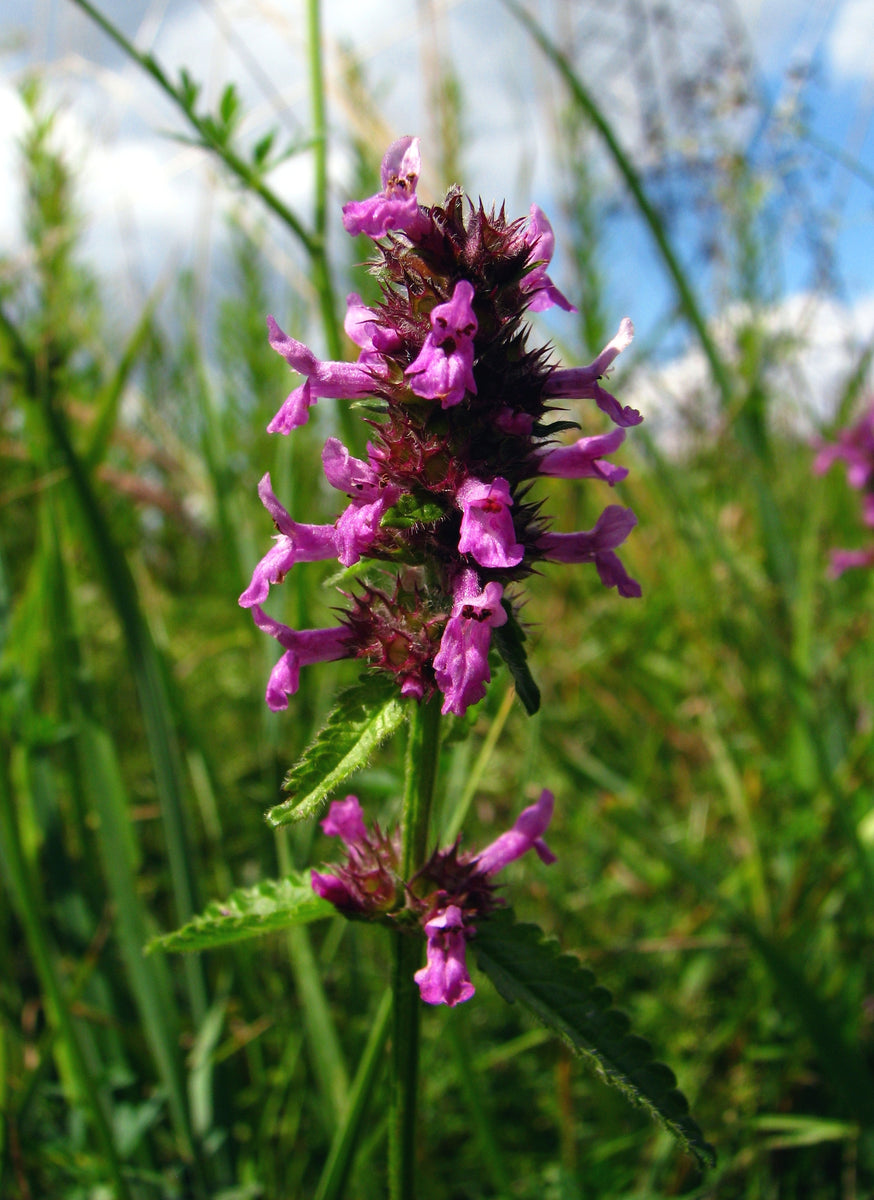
445, 979
584, 459
446, 899
295, 543
342, 381
855, 446
459, 414
363, 328
368, 882
396, 206
597, 546
444, 368
301, 649
467, 895
582, 382
541, 239
461, 666
487, 530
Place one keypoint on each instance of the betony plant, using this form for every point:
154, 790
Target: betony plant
440, 528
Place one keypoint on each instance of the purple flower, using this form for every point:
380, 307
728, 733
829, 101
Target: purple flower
582, 382
443, 369
357, 526
855, 446
461, 666
466, 895
541, 239
294, 543
525, 835
396, 206
345, 821
342, 381
583, 459
597, 545
487, 530
367, 883
844, 560
363, 327
445, 979
449, 895
301, 649
346, 473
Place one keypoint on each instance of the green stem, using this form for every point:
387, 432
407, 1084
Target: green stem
321, 269
421, 774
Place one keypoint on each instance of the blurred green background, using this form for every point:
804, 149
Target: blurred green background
710, 746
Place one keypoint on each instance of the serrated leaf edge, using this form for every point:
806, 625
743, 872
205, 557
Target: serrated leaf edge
684, 1128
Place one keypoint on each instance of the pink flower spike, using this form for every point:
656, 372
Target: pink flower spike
295, 543
445, 979
302, 648
461, 665
345, 820
443, 369
541, 239
525, 835
487, 530
396, 206
583, 459
341, 381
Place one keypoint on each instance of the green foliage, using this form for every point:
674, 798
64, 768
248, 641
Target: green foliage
270, 905
509, 641
363, 717
567, 999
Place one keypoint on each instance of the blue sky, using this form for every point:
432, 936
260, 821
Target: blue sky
152, 203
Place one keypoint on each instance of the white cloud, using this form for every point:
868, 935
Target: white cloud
851, 42
819, 340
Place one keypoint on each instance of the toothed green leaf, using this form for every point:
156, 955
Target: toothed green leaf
363, 717
509, 640
525, 966
249, 912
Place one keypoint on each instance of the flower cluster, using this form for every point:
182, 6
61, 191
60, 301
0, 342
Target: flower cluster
460, 430
445, 898
855, 446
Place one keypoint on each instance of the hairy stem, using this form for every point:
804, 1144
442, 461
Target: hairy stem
421, 774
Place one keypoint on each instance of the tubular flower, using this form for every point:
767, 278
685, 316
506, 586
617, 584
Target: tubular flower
446, 899
461, 666
294, 543
855, 446
445, 979
342, 381
597, 546
461, 429
444, 368
487, 530
539, 236
368, 881
301, 649
396, 206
